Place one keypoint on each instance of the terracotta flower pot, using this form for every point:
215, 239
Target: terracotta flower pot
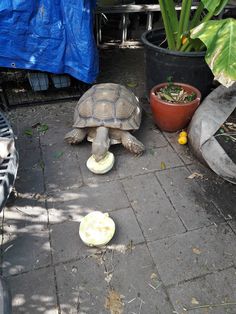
172, 117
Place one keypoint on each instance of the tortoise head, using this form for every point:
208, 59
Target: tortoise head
101, 143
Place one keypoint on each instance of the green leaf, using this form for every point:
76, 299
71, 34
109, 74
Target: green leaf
214, 6
42, 164
58, 155
28, 132
132, 84
42, 128
197, 16
219, 36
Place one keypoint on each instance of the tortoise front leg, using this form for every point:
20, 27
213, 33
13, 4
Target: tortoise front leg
131, 143
75, 136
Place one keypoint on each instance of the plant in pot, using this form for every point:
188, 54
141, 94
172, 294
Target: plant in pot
193, 46
173, 105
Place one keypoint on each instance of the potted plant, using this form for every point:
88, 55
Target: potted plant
173, 105
192, 46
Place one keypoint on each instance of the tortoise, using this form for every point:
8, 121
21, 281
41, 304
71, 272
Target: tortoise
106, 114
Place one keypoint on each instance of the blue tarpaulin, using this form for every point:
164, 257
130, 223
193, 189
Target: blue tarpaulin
49, 35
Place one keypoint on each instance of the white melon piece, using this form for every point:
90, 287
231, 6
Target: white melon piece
102, 166
96, 229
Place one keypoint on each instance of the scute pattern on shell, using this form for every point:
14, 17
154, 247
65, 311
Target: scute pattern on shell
110, 105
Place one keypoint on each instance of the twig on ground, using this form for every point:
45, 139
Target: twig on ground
210, 305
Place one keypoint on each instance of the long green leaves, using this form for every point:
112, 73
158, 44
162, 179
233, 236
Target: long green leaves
219, 36
184, 21
177, 30
168, 6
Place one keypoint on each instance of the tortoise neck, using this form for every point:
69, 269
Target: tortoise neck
102, 132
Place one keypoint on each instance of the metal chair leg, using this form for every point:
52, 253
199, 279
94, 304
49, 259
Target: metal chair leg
125, 17
149, 21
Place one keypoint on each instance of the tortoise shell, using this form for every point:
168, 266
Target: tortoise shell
110, 105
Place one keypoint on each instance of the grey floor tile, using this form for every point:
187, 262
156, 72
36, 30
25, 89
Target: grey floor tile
26, 210
58, 126
25, 251
149, 135
29, 153
66, 242
29, 181
191, 203
62, 169
84, 152
26, 238
153, 159
67, 245
216, 289
183, 151
76, 203
34, 292
154, 212
127, 229
194, 253
81, 287
134, 276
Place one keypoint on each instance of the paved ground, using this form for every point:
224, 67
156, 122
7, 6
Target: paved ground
175, 246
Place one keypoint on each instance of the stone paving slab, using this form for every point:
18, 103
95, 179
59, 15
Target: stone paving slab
84, 152
60, 163
25, 243
29, 181
195, 253
192, 205
81, 286
156, 216
67, 245
34, 292
145, 196
149, 134
73, 204
24, 251
152, 160
183, 150
26, 211
29, 153
140, 286
58, 125
215, 289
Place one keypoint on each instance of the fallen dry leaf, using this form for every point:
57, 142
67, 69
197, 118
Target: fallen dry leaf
163, 165
153, 276
113, 302
195, 175
194, 301
196, 250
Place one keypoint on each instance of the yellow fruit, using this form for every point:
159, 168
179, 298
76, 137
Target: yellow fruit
183, 39
102, 166
96, 229
182, 140
183, 133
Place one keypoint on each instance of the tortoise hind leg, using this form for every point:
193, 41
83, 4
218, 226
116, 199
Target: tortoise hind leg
131, 143
75, 136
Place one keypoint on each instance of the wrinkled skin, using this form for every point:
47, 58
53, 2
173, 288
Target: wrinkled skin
101, 143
